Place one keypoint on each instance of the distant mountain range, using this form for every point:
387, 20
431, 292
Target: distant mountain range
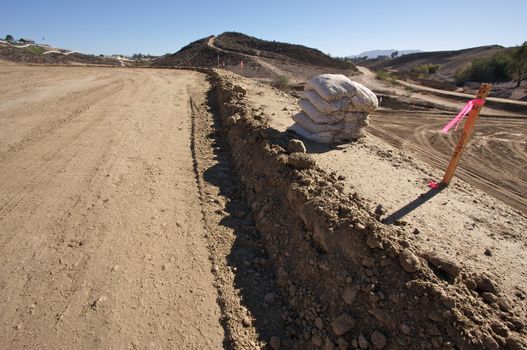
377, 53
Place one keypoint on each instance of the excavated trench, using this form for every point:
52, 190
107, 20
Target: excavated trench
349, 280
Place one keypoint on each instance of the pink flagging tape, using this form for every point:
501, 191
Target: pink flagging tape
458, 118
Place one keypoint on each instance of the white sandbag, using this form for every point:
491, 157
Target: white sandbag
308, 124
317, 116
323, 137
324, 106
356, 118
333, 87
349, 135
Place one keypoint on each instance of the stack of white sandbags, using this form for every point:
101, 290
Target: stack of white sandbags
334, 109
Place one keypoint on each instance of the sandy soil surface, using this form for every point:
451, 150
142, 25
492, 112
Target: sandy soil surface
462, 222
102, 243
495, 158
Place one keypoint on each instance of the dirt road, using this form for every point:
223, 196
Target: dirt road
101, 234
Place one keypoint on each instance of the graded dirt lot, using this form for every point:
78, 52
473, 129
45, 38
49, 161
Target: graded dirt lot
102, 243
145, 208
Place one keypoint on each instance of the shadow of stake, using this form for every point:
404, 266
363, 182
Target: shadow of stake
416, 203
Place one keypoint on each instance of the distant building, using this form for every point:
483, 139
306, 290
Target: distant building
26, 41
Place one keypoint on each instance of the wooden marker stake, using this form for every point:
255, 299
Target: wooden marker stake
484, 90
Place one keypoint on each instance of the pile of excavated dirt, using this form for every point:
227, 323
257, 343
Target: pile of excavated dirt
351, 281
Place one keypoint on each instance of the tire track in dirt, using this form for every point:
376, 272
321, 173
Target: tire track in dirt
485, 158
105, 251
42, 169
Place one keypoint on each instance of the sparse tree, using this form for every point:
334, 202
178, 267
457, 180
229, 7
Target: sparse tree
394, 54
9, 37
518, 64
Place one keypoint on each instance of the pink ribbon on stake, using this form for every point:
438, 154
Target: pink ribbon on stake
457, 120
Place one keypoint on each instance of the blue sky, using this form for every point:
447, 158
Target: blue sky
337, 27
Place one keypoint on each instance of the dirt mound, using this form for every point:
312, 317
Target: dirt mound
197, 54
349, 279
35, 54
232, 41
261, 58
450, 61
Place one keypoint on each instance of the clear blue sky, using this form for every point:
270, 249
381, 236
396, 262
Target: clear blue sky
337, 27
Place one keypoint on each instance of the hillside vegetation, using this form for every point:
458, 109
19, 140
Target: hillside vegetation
449, 61
504, 66
238, 42
236, 45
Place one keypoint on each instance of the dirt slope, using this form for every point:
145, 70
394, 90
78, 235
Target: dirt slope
261, 59
389, 176
34, 54
450, 61
354, 274
102, 243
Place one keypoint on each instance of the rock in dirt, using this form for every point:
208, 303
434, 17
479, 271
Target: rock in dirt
246, 322
500, 329
378, 339
342, 324
485, 283
374, 242
301, 161
405, 329
489, 297
296, 146
319, 323
342, 344
409, 261
363, 343
349, 295
275, 342
316, 339
443, 263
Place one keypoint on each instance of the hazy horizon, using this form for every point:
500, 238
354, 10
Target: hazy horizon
341, 28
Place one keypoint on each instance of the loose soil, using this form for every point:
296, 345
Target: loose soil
159, 208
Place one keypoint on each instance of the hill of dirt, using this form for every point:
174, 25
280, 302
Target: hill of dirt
449, 61
35, 54
261, 58
232, 41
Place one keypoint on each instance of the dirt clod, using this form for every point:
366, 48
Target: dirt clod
378, 339
363, 342
275, 342
246, 322
319, 323
349, 295
301, 160
342, 324
500, 329
405, 329
486, 283
296, 146
409, 261
443, 263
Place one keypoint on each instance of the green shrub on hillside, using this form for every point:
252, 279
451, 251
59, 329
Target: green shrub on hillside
282, 82
427, 69
36, 50
387, 77
486, 69
518, 65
